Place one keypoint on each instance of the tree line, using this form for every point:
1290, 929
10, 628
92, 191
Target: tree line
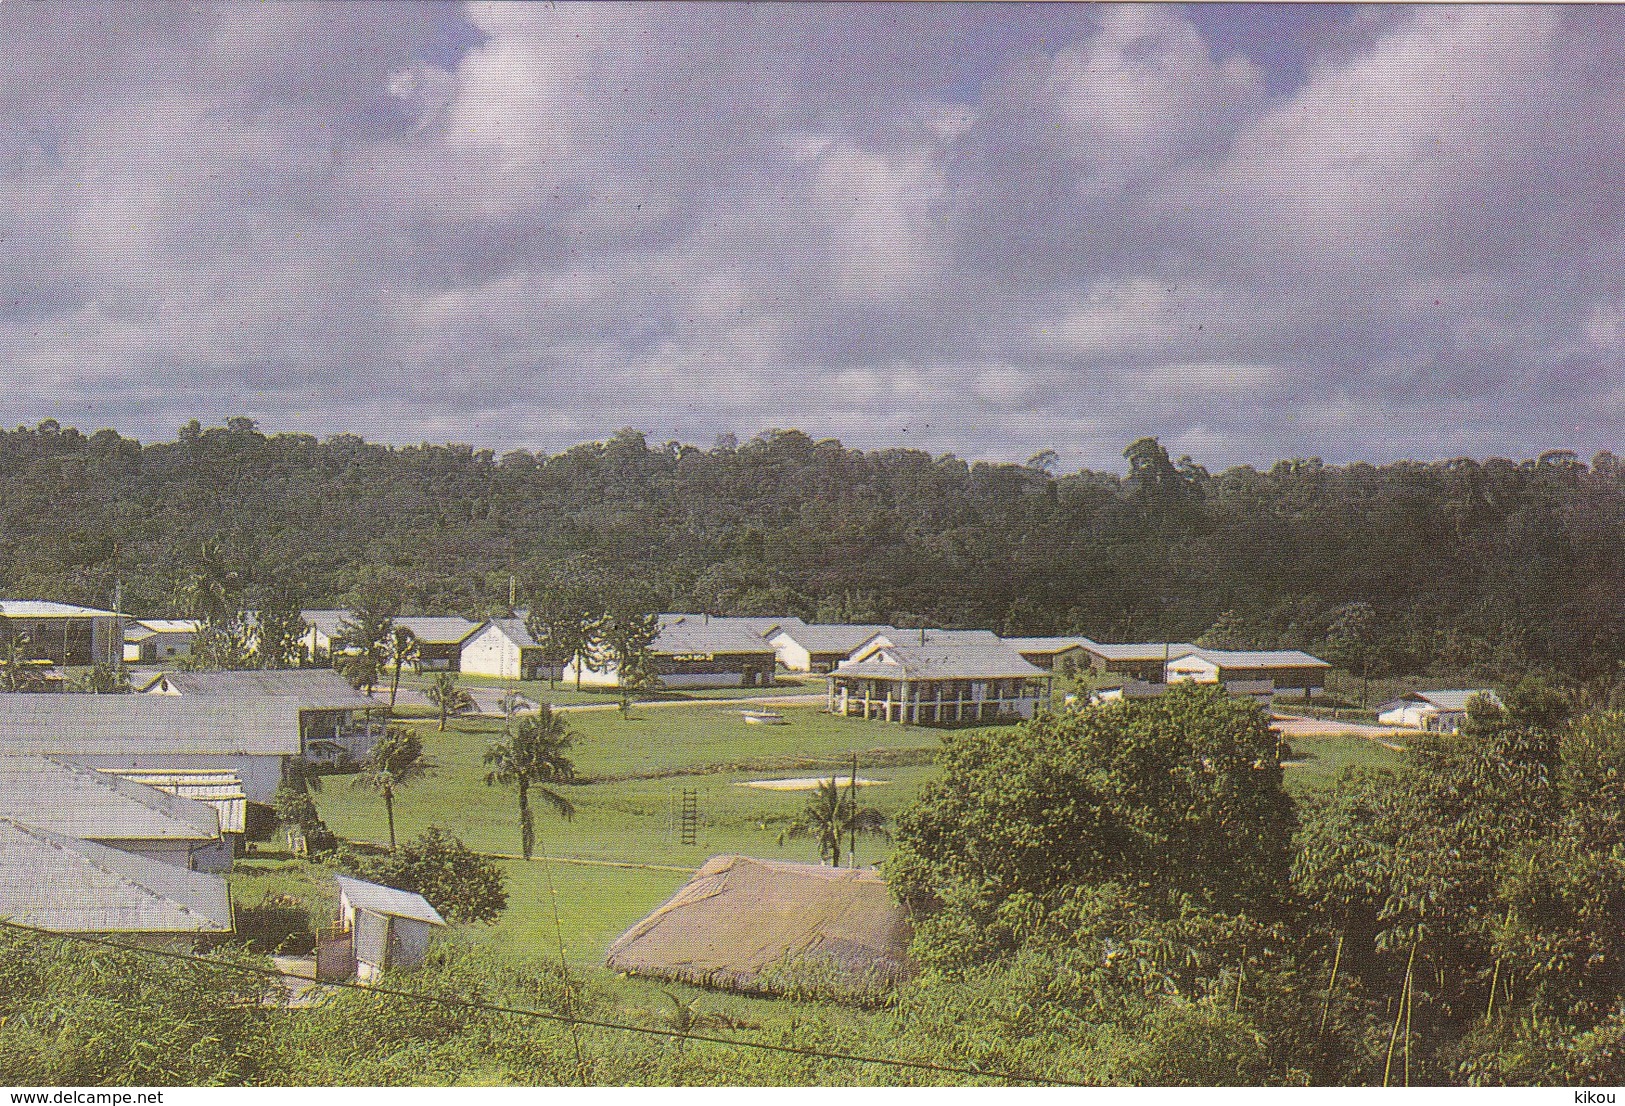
1492, 567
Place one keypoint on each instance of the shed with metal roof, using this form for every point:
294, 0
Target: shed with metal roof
388, 927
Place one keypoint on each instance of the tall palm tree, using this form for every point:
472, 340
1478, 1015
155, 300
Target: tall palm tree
395, 761
403, 650
450, 699
832, 814
534, 759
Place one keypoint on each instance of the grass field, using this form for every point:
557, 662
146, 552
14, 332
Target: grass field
644, 763
627, 815
1316, 762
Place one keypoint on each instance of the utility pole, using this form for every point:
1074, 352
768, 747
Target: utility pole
852, 795
118, 624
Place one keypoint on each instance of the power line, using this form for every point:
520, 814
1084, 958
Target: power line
548, 1015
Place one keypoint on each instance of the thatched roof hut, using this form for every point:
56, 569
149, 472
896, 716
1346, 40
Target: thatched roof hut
772, 926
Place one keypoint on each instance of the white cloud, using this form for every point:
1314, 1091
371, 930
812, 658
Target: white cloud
894, 225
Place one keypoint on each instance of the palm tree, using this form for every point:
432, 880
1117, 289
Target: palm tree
534, 759
831, 815
444, 693
403, 650
395, 761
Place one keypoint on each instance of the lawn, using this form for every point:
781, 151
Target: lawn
1316, 762
642, 764
625, 836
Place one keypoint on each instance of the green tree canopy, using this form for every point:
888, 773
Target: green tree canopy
1182, 793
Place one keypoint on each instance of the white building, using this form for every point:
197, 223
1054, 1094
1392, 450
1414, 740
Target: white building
63, 633
222, 791
251, 737
503, 648
387, 928
1053, 653
57, 795
938, 677
66, 884
337, 723
1250, 672
1435, 711
697, 650
806, 647
156, 640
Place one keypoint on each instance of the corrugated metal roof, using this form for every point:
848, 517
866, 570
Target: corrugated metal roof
1046, 644
431, 629
437, 629
1451, 700
693, 633
833, 637
69, 885
1254, 658
221, 790
166, 625
308, 688
144, 725
513, 629
40, 608
950, 654
77, 801
388, 900
1141, 651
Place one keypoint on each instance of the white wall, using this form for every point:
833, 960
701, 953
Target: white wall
795, 658
260, 773
490, 652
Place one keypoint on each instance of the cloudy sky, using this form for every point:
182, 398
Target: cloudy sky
1257, 232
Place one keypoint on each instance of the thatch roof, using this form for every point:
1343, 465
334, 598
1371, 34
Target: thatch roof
751, 925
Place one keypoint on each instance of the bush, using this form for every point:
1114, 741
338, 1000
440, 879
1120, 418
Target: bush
460, 883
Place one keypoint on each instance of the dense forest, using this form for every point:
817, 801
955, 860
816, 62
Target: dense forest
1495, 567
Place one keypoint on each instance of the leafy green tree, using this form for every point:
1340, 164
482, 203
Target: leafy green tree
280, 632
1228, 632
1443, 883
1351, 642
394, 761
294, 806
833, 816
101, 679
623, 639
1180, 793
458, 882
448, 698
209, 585
534, 759
219, 646
565, 606
364, 643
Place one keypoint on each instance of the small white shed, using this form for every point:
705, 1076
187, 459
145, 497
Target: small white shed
388, 928
1438, 711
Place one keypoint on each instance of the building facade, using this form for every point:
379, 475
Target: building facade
64, 634
938, 677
